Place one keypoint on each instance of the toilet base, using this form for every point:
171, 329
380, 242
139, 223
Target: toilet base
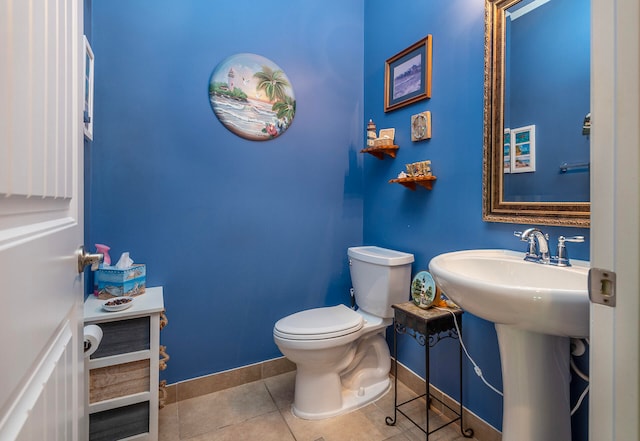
351, 400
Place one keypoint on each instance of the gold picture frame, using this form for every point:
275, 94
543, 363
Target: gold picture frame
407, 75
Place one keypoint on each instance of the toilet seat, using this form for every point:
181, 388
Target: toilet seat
319, 323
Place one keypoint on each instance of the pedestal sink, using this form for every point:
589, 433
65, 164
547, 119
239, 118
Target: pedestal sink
536, 308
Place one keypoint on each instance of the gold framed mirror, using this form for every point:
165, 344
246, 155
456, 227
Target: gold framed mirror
498, 143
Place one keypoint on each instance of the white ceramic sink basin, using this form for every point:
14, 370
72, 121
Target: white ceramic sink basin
500, 286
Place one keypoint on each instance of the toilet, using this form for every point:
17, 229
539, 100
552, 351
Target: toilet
341, 354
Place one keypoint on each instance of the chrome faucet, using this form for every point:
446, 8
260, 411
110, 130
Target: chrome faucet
538, 247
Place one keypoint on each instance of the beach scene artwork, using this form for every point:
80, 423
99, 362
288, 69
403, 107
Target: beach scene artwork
407, 77
252, 97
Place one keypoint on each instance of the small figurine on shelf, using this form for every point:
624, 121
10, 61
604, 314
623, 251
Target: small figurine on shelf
423, 168
371, 133
417, 169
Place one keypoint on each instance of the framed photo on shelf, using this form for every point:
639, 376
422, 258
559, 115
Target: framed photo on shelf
407, 75
88, 90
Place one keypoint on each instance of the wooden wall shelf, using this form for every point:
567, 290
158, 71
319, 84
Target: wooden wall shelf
379, 152
412, 183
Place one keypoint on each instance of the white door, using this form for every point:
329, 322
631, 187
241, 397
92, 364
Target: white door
614, 406
41, 222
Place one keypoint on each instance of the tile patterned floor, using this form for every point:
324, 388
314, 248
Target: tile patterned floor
262, 411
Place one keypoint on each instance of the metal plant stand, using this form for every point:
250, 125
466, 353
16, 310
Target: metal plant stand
427, 327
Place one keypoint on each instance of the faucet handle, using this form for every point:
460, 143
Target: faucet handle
532, 247
562, 259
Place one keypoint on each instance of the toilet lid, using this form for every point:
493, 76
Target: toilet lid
319, 323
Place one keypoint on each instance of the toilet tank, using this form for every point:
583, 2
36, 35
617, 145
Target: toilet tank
380, 278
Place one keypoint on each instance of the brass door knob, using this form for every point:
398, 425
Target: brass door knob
86, 259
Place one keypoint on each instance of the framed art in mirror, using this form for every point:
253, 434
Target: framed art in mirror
88, 89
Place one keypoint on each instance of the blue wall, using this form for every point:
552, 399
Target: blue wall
239, 233
242, 233
449, 217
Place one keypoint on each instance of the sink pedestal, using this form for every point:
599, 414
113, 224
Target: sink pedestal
535, 376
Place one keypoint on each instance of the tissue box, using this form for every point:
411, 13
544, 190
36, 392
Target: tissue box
111, 282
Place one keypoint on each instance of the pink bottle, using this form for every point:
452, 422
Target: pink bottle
104, 249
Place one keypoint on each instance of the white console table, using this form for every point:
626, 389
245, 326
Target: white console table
122, 375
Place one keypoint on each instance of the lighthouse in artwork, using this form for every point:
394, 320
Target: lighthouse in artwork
230, 76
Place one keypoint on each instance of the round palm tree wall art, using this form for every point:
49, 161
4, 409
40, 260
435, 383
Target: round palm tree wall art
252, 97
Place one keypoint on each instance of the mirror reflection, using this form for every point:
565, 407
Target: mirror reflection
537, 116
546, 101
